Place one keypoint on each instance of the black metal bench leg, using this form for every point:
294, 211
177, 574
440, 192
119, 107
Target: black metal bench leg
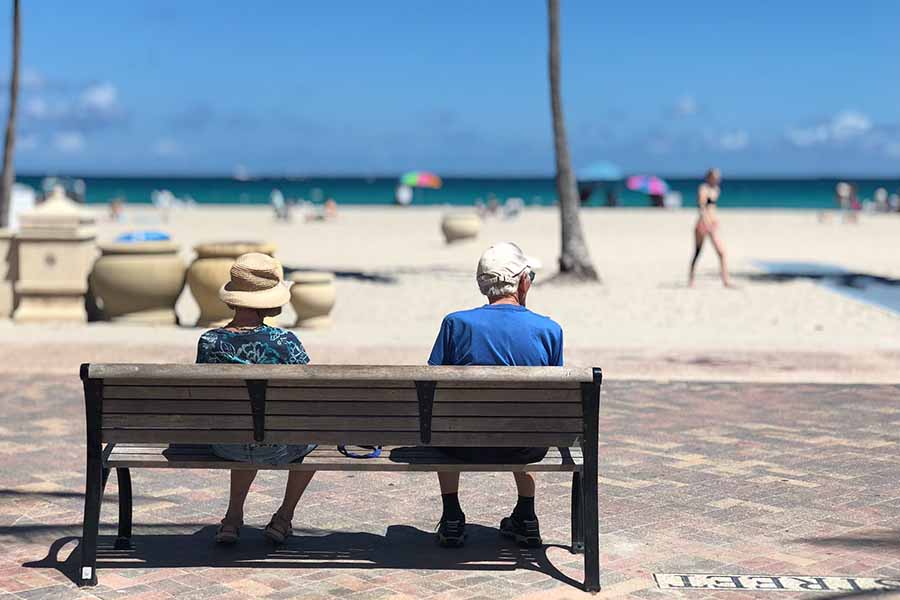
590, 474
93, 495
591, 529
123, 542
577, 514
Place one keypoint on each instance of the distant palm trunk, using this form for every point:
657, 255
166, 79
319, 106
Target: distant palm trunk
575, 260
8, 176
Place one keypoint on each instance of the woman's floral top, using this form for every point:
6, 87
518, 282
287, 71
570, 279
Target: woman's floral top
262, 345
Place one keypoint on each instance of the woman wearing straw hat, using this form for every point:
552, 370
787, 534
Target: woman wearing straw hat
256, 291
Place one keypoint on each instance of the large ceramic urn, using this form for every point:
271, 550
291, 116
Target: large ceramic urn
211, 270
312, 296
460, 226
138, 281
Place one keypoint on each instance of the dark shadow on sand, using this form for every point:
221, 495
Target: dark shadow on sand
881, 539
402, 547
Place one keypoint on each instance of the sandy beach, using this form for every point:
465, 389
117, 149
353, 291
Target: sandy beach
397, 278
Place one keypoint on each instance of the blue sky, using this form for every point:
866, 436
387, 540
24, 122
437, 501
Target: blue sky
456, 86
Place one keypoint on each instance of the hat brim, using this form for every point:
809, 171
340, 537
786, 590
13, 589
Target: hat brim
274, 297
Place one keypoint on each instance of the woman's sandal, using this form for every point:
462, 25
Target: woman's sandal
279, 529
228, 534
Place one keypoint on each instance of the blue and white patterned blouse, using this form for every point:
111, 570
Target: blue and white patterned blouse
262, 345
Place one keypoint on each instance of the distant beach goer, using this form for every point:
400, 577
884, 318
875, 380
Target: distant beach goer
502, 332
881, 200
403, 195
256, 291
281, 208
330, 209
708, 224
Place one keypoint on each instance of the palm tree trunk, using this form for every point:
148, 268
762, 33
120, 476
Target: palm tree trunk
8, 176
574, 260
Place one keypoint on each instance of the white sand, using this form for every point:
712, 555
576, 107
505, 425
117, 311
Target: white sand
641, 322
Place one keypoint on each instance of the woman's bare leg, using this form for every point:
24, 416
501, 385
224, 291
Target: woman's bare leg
296, 485
699, 236
449, 482
240, 485
723, 258
525, 483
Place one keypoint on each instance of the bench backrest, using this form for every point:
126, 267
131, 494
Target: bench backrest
337, 404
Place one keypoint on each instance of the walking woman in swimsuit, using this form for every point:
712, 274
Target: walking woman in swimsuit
708, 224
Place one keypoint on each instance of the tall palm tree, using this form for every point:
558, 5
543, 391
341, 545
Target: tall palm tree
574, 260
8, 176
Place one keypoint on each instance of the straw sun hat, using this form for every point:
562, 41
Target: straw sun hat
257, 281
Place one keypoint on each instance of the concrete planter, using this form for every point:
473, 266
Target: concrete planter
7, 272
312, 296
460, 226
210, 271
138, 281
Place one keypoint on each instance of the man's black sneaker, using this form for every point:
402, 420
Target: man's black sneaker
525, 532
451, 533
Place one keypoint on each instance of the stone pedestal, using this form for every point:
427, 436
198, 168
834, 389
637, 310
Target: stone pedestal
7, 272
55, 250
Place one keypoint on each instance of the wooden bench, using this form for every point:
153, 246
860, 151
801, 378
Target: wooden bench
165, 416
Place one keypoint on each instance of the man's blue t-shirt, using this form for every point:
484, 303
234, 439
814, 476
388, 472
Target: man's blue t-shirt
498, 334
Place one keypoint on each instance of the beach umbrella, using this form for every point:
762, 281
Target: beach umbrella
648, 184
599, 171
421, 179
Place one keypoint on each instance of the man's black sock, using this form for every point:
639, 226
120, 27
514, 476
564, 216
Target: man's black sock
452, 509
525, 508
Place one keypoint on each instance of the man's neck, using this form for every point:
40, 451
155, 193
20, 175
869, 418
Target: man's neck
506, 300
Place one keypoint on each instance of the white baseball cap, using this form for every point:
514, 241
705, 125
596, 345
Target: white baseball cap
502, 263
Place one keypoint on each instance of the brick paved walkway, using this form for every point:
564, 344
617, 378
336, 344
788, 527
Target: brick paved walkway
695, 478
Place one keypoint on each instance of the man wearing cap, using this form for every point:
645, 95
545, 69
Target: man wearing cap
502, 332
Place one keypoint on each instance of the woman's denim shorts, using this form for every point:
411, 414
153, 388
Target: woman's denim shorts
262, 454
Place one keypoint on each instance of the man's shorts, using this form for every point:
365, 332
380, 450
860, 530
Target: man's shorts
493, 456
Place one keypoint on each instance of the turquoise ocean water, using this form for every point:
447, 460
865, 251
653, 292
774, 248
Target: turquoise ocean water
736, 193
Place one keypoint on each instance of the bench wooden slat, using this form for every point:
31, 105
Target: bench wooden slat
328, 459
168, 392
503, 439
344, 373
517, 424
174, 436
338, 423
404, 409
320, 394
517, 396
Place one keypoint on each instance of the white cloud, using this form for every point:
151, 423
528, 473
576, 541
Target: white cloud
68, 141
101, 97
845, 125
685, 106
734, 140
167, 147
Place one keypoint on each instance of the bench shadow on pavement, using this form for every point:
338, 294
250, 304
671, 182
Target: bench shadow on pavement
402, 547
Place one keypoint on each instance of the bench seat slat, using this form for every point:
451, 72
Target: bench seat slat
343, 373
328, 459
226, 436
283, 422
503, 439
547, 396
518, 424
